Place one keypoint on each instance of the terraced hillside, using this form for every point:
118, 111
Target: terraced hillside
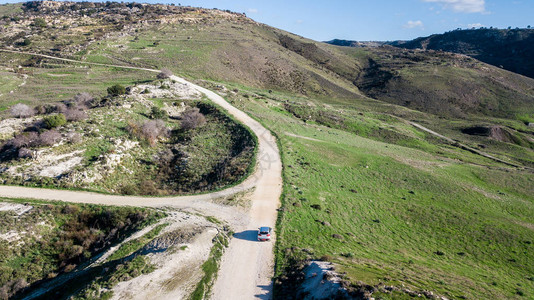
399, 210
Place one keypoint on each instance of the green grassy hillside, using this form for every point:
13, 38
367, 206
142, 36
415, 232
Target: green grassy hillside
399, 210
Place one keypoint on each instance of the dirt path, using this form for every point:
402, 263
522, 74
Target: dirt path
460, 145
247, 265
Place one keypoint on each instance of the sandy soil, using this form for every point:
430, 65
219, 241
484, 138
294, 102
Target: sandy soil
178, 268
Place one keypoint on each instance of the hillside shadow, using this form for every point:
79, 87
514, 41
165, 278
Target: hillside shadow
247, 235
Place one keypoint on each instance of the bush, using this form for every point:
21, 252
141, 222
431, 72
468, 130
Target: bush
39, 22
164, 74
60, 107
192, 118
74, 137
25, 153
152, 130
116, 90
22, 111
26, 42
75, 114
55, 121
83, 99
148, 187
49, 138
158, 113
28, 139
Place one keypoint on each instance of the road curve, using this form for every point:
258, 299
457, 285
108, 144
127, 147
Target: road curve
247, 265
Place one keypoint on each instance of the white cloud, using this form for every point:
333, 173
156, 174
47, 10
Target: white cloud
252, 10
299, 21
475, 25
413, 24
465, 6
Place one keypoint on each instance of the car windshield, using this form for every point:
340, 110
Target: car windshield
264, 230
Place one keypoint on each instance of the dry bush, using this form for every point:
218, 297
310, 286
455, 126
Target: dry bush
22, 111
28, 139
75, 114
49, 138
148, 187
20, 284
60, 107
192, 118
150, 130
164, 74
74, 137
83, 99
153, 129
25, 153
133, 129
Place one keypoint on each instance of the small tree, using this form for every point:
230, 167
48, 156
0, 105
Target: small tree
164, 74
116, 90
54, 121
192, 118
22, 111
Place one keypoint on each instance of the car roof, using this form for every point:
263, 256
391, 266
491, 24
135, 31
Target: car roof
265, 228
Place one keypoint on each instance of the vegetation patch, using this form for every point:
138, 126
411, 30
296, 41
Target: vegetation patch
53, 238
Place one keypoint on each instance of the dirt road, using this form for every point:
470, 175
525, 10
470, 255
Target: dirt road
247, 265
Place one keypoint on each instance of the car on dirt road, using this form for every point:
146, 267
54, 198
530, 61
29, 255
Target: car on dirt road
264, 234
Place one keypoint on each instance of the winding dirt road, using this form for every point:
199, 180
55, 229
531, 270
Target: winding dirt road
247, 265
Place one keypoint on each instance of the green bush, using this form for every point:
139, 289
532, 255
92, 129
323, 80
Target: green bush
116, 90
158, 113
39, 22
54, 121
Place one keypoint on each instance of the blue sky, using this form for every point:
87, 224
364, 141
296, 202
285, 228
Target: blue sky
377, 20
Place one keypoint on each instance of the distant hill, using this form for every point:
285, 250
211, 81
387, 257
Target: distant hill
233, 48
510, 49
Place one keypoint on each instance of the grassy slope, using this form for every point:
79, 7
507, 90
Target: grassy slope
478, 216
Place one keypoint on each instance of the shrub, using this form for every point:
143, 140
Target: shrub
40, 109
116, 90
28, 139
192, 118
158, 113
147, 187
26, 42
75, 114
39, 22
83, 99
164, 74
22, 111
74, 137
60, 107
25, 153
55, 121
49, 138
152, 130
